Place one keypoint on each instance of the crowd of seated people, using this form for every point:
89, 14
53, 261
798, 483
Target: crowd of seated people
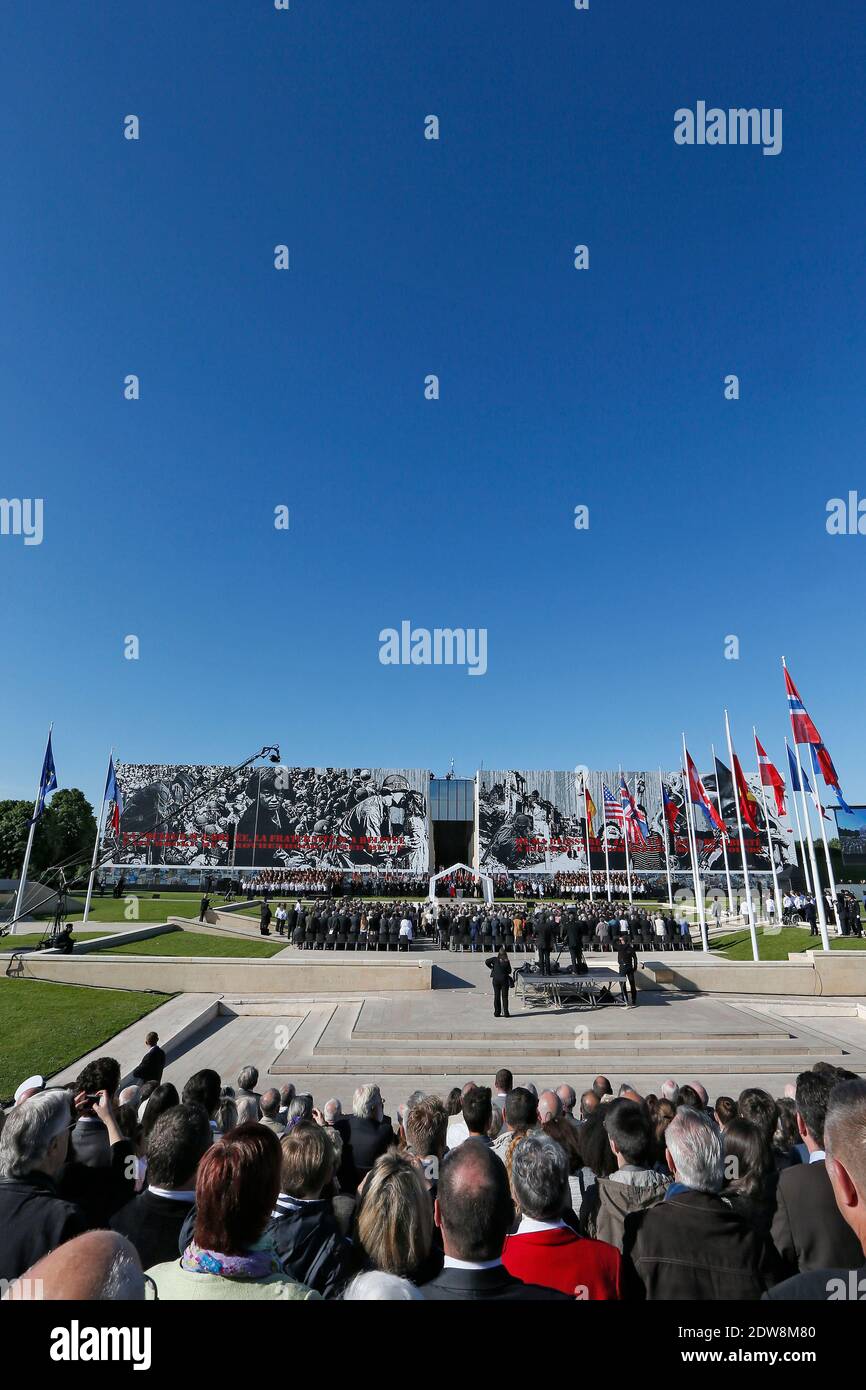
355, 925
319, 883
492, 1192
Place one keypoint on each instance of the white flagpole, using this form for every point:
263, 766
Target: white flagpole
22, 885
99, 824
693, 849
776, 894
801, 841
667, 851
749, 909
818, 895
604, 837
730, 886
588, 836
831, 876
816, 877
624, 837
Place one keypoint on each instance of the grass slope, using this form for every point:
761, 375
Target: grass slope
184, 943
778, 945
45, 1026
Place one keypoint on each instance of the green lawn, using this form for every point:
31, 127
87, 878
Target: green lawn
45, 1026
777, 945
148, 909
30, 939
187, 943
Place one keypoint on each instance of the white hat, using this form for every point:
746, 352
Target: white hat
33, 1083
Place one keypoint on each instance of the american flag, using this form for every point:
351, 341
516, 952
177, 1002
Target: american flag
612, 808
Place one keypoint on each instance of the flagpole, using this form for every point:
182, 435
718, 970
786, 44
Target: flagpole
830, 873
588, 835
667, 851
816, 877
800, 839
730, 886
96, 843
604, 837
776, 894
749, 909
818, 894
625, 839
693, 849
19, 901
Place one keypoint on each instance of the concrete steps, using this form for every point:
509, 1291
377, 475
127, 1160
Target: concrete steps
582, 1063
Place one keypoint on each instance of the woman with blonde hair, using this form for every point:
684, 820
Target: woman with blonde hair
394, 1219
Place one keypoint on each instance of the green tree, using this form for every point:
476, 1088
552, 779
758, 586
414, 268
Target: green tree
68, 831
14, 829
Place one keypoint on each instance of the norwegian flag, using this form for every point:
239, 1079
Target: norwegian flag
699, 795
804, 729
771, 776
636, 827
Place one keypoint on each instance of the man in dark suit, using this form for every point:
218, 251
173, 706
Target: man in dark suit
544, 937
845, 1137
152, 1064
809, 1231
367, 1134
152, 1221
474, 1212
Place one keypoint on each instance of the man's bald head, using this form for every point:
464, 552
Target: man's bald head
100, 1266
589, 1103
602, 1087
549, 1107
473, 1207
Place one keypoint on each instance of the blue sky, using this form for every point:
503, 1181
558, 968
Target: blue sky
305, 388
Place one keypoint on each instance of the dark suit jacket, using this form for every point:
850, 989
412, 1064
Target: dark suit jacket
808, 1229
88, 1144
153, 1224
694, 1246
151, 1066
363, 1142
33, 1220
822, 1285
458, 1284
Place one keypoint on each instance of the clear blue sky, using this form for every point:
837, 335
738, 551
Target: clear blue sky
408, 256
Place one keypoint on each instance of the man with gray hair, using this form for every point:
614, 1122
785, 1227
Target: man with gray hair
692, 1245
33, 1151
544, 1250
568, 1096
248, 1078
369, 1134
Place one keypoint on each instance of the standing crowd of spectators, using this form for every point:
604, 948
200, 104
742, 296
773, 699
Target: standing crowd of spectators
492, 1192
